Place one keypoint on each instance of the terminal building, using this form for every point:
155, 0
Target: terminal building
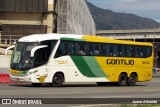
141, 35
19, 18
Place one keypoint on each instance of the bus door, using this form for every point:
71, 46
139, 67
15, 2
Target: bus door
41, 58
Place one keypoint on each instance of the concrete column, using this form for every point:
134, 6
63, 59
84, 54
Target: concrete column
48, 19
0, 38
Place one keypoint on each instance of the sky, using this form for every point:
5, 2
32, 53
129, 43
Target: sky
143, 8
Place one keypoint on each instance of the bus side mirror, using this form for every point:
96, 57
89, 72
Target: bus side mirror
10, 47
36, 48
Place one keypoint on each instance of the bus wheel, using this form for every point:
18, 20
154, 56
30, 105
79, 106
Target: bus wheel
58, 80
37, 84
132, 80
122, 81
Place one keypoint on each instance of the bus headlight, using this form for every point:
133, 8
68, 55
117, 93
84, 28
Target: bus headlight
32, 72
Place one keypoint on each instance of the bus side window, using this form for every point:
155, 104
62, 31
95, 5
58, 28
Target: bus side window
108, 50
136, 51
80, 48
96, 49
120, 50
71, 48
148, 51
125, 50
144, 50
132, 51
90, 49
140, 52
60, 51
41, 57
111, 53
115, 50
66, 48
128, 51
49, 49
103, 50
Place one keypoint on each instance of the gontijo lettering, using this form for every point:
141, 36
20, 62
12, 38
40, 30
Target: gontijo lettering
119, 62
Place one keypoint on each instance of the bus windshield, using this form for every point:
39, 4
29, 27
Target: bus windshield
21, 57
22, 60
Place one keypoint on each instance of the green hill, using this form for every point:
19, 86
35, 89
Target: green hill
109, 20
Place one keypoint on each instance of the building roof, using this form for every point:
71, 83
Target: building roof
128, 31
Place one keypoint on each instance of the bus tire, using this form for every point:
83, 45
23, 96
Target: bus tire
132, 80
57, 80
37, 84
122, 80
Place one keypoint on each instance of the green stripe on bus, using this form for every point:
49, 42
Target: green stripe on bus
82, 66
94, 66
67, 39
72, 39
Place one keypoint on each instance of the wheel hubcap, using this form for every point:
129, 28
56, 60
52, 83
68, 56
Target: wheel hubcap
132, 80
57, 80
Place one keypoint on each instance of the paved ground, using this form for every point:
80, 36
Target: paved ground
149, 89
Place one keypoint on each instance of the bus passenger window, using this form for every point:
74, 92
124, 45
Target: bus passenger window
103, 50
140, 52
132, 51
148, 51
71, 48
115, 50
136, 51
144, 51
60, 51
120, 50
111, 50
66, 48
125, 50
96, 49
81, 48
90, 49
108, 50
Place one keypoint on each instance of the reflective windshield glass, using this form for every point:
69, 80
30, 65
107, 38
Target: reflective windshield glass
18, 52
22, 60
21, 57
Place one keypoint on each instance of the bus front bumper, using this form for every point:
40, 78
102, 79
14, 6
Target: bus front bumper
21, 79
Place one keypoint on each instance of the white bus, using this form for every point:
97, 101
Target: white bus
64, 58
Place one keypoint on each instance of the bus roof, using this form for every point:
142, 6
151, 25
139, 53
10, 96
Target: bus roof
110, 40
43, 37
